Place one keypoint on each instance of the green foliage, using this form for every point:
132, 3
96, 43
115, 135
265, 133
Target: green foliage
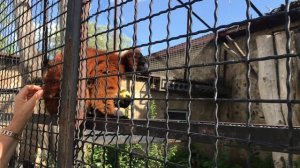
180, 156
297, 163
138, 157
96, 160
152, 110
177, 153
126, 113
257, 162
6, 47
125, 158
98, 38
128, 155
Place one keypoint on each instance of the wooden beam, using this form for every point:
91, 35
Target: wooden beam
241, 52
268, 89
267, 81
280, 43
263, 137
227, 48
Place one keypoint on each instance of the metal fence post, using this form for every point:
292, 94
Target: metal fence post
69, 85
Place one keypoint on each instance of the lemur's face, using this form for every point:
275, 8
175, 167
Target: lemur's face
138, 64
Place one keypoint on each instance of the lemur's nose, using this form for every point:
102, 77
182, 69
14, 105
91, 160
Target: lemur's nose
125, 99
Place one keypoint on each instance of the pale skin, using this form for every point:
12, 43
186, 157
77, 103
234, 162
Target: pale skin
25, 102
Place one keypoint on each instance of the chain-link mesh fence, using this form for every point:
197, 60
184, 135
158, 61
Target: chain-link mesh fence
135, 83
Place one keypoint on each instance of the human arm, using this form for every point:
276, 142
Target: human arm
25, 102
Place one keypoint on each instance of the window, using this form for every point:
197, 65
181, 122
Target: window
177, 114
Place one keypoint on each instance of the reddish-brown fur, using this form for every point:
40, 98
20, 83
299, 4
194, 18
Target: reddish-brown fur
98, 66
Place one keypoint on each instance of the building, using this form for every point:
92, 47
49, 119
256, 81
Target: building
232, 71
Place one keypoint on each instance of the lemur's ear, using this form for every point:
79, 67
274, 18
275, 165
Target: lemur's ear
129, 53
133, 60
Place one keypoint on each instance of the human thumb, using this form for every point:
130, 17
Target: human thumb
32, 101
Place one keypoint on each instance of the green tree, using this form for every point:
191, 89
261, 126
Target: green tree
97, 38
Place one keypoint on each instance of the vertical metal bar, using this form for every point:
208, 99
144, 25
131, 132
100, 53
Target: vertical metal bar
2, 62
16, 79
115, 24
167, 86
62, 8
63, 22
117, 148
52, 128
81, 106
106, 89
69, 85
188, 71
248, 72
148, 85
216, 58
288, 80
187, 41
96, 91
25, 133
45, 33
40, 137
25, 81
134, 38
80, 128
15, 74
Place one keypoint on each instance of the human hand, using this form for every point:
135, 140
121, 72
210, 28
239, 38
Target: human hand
25, 102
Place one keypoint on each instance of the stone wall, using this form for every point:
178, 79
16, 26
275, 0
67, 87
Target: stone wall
233, 75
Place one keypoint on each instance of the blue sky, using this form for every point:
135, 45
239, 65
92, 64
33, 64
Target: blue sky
229, 11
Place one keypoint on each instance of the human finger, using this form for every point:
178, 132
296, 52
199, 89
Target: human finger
23, 93
32, 93
32, 101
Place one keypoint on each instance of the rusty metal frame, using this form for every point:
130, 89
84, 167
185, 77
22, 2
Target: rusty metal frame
233, 134
69, 84
243, 135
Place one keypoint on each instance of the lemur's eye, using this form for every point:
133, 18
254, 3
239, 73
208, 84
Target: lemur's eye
90, 81
105, 72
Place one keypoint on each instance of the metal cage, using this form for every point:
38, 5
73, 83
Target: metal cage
136, 83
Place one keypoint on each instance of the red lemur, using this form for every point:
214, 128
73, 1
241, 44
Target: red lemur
98, 65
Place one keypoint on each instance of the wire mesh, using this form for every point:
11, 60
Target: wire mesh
30, 37
177, 83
